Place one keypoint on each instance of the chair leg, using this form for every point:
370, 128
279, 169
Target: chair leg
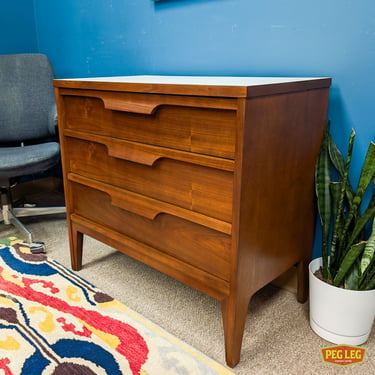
35, 211
10, 215
12, 219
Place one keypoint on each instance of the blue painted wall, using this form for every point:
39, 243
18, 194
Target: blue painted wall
333, 38
17, 27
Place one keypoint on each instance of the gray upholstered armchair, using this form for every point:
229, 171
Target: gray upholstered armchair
28, 126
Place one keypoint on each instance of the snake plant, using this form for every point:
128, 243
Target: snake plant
346, 215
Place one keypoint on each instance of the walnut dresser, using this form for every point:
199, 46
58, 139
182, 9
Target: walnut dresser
207, 179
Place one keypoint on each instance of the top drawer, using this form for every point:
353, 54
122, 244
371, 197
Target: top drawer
194, 124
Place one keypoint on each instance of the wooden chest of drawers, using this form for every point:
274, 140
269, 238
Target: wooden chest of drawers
207, 179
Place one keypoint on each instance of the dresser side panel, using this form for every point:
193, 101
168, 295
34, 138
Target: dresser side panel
275, 204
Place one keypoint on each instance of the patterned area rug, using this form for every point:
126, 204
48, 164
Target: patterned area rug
54, 322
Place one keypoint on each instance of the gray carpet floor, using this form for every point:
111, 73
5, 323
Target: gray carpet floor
278, 339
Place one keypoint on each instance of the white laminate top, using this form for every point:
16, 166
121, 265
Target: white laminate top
197, 80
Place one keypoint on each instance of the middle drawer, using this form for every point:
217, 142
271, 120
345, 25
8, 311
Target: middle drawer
192, 186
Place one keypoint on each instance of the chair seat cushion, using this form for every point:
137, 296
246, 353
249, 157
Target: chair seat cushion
22, 161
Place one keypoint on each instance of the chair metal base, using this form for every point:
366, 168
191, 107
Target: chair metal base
10, 216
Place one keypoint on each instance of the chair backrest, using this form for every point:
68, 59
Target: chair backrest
27, 101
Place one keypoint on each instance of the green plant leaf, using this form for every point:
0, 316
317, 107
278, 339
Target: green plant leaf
371, 284
336, 188
368, 277
361, 222
339, 164
367, 265
351, 256
368, 170
368, 254
338, 247
352, 278
366, 177
322, 190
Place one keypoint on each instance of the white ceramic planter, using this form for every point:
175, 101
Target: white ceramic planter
339, 315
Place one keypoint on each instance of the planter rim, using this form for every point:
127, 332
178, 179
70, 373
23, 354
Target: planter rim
314, 265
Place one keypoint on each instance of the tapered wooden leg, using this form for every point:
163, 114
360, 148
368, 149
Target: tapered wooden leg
76, 247
302, 281
234, 312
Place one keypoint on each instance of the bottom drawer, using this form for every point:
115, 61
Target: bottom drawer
192, 243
